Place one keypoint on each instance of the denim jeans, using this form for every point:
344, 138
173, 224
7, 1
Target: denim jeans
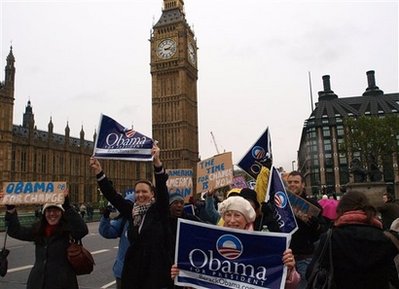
301, 267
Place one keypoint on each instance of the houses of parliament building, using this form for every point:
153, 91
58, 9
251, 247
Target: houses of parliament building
30, 154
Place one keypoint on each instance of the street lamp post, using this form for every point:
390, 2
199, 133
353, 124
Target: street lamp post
293, 165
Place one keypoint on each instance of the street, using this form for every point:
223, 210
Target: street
21, 258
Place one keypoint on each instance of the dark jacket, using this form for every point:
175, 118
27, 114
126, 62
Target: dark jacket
149, 258
51, 269
361, 254
389, 212
173, 226
302, 243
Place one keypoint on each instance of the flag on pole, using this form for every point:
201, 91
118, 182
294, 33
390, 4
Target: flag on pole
115, 141
258, 153
282, 211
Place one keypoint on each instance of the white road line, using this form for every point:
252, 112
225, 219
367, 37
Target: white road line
19, 269
108, 285
99, 251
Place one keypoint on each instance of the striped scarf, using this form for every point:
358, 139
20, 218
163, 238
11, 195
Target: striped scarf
139, 211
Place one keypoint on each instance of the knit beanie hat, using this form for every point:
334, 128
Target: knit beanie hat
175, 197
52, 205
239, 204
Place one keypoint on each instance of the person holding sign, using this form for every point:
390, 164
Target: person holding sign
51, 236
149, 257
238, 213
309, 227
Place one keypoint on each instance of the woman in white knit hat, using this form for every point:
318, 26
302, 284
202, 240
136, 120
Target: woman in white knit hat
238, 213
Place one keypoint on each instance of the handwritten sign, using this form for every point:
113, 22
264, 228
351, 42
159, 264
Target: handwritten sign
215, 172
180, 181
16, 193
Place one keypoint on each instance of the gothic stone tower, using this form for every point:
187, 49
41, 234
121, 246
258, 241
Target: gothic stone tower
6, 118
174, 87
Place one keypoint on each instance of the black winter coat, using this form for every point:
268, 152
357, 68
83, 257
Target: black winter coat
149, 258
302, 242
51, 269
361, 254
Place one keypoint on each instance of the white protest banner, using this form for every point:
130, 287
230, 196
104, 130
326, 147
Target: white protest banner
16, 193
180, 181
215, 172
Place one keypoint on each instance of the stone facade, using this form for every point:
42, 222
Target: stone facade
174, 87
30, 154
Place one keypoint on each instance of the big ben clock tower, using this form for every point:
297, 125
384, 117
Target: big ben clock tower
174, 87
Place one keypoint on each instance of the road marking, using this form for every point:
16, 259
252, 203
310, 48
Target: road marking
19, 268
108, 285
99, 251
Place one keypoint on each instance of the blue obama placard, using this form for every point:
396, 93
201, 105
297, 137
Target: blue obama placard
115, 141
209, 256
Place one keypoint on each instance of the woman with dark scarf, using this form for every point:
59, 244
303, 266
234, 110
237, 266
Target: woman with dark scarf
51, 236
361, 253
149, 257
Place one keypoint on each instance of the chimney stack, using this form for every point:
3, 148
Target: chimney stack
327, 93
372, 89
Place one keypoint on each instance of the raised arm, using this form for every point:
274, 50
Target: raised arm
161, 190
122, 205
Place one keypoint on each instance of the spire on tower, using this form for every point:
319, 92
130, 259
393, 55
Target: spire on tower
10, 57
10, 69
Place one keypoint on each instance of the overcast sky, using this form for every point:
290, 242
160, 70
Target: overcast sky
78, 59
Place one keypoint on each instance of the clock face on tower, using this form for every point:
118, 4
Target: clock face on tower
166, 48
191, 53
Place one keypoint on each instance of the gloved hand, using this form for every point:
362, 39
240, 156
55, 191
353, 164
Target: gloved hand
106, 211
67, 203
10, 207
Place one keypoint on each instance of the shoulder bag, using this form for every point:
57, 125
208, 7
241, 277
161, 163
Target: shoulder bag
322, 275
80, 258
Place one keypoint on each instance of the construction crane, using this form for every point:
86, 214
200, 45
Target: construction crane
214, 142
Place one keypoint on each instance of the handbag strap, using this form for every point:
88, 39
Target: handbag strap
5, 238
76, 241
326, 245
330, 254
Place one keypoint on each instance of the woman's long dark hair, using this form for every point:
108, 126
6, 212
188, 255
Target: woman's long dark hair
40, 226
355, 200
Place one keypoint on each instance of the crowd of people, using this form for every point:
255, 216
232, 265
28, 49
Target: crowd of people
363, 255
